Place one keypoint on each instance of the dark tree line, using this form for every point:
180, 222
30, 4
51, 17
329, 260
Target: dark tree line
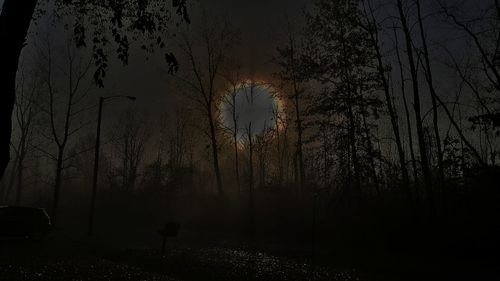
370, 66
378, 110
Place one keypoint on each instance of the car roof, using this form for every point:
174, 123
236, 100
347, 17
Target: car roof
21, 207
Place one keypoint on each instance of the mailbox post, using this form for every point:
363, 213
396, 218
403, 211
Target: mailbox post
171, 230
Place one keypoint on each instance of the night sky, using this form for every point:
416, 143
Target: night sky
261, 25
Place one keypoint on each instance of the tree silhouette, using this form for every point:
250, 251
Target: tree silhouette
292, 73
66, 85
143, 19
339, 56
27, 111
130, 142
207, 53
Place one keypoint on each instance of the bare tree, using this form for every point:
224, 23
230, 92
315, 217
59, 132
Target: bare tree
67, 85
177, 141
25, 112
430, 82
206, 58
339, 57
129, 141
288, 59
180, 164
485, 36
424, 161
481, 40
407, 111
146, 20
251, 196
373, 30
230, 100
280, 132
262, 142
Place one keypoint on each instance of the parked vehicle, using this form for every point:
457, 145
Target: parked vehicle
23, 222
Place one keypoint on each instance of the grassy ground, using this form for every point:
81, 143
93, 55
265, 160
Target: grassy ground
229, 264
64, 258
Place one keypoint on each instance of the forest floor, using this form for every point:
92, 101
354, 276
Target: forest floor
59, 258
66, 259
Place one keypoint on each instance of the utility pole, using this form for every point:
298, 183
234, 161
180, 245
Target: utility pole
96, 160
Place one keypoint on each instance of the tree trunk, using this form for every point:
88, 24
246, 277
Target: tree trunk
374, 37
236, 164
371, 153
352, 143
407, 114
298, 121
416, 104
392, 113
351, 130
262, 166
19, 190
430, 83
251, 199
235, 140
300, 156
20, 165
15, 20
278, 147
12, 180
57, 185
213, 138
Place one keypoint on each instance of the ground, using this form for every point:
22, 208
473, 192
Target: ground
63, 258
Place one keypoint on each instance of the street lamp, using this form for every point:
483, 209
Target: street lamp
96, 158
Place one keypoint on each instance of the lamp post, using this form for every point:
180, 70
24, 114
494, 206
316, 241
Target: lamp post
96, 159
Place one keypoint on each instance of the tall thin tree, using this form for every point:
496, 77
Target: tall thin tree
207, 58
373, 30
424, 161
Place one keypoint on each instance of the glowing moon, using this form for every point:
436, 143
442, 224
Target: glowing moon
255, 103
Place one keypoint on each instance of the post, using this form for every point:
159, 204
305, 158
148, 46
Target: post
164, 245
96, 168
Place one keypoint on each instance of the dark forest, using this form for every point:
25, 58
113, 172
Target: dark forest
249, 140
